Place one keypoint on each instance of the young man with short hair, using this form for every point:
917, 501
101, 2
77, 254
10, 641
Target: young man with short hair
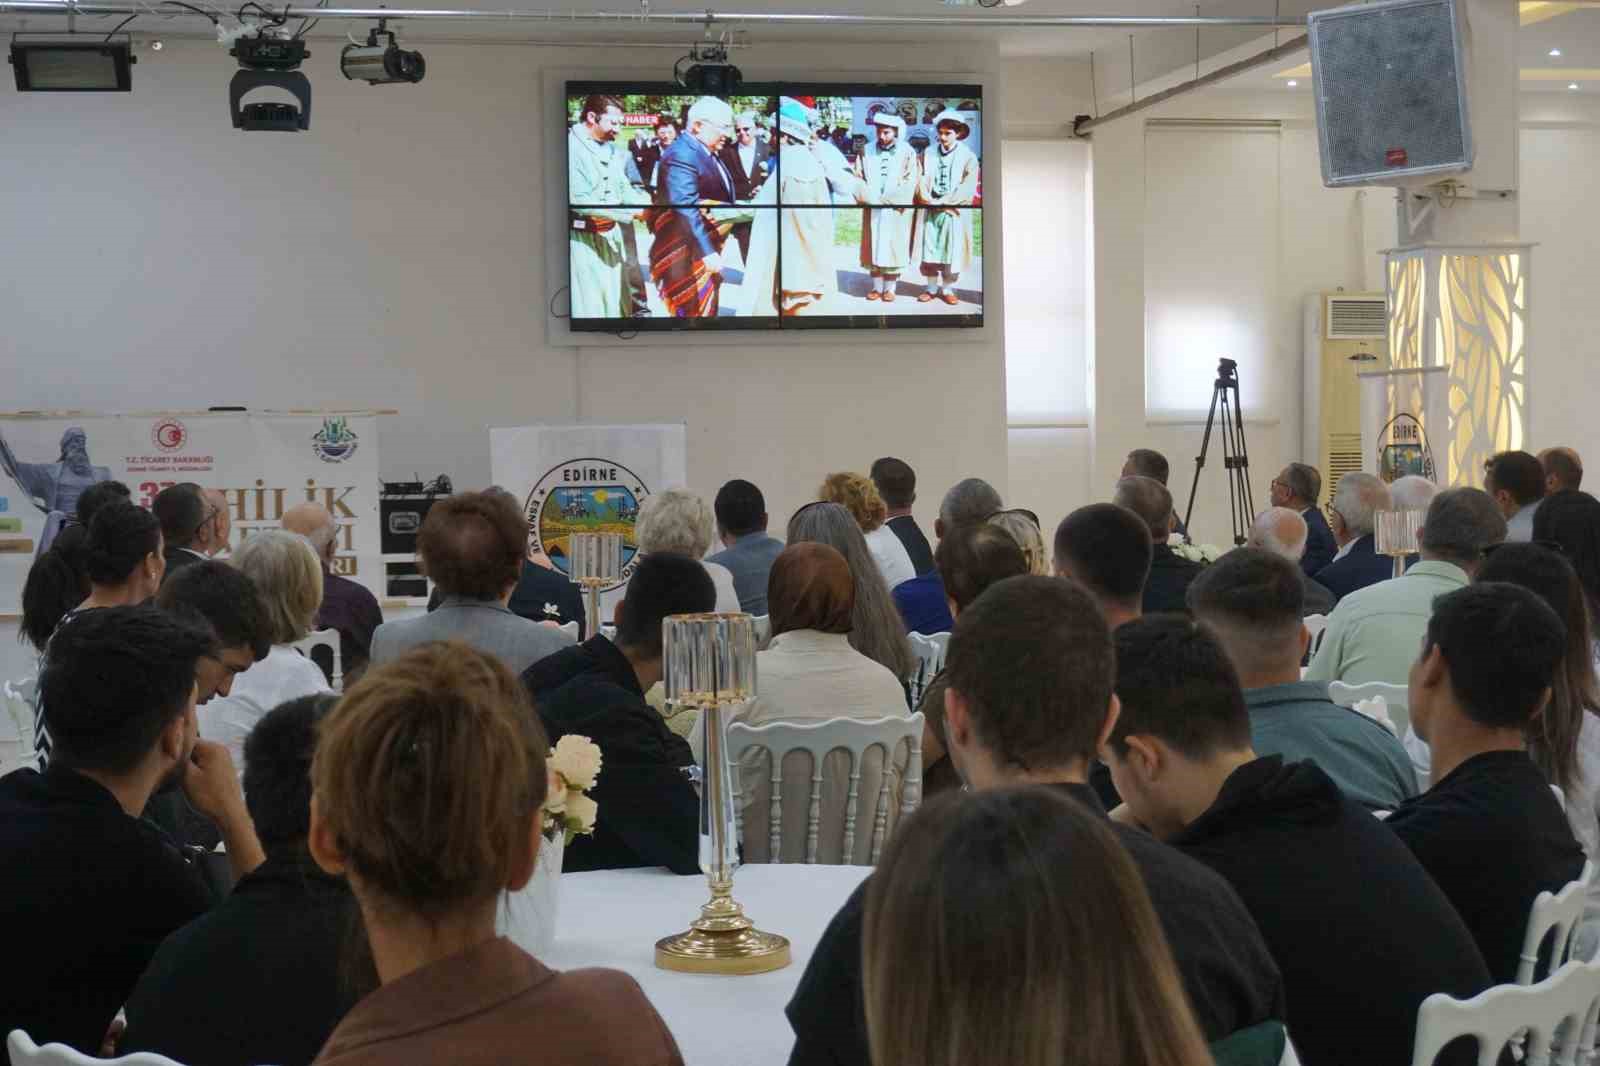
95, 888
748, 552
1170, 573
1489, 829
1029, 702
897, 484
1348, 914
1516, 480
1106, 549
1563, 472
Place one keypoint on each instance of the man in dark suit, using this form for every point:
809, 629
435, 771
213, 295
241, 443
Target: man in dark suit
686, 258
647, 156
1170, 573
1281, 531
748, 160
1356, 504
897, 484
1298, 488
194, 523
1146, 462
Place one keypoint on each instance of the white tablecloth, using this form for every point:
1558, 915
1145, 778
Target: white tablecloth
614, 918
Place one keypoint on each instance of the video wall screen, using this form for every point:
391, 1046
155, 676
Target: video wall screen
785, 207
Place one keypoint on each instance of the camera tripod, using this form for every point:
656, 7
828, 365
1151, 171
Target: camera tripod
1235, 456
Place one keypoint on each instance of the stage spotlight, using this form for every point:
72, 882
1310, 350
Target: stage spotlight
72, 65
269, 59
381, 64
712, 74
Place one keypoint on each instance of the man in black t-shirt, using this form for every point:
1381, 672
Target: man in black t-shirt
90, 889
1490, 830
1029, 702
1362, 933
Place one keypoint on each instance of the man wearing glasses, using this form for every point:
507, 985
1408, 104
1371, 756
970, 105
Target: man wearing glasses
194, 524
1297, 488
748, 160
686, 257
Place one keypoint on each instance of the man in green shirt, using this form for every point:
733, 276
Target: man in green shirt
1251, 600
602, 201
1374, 633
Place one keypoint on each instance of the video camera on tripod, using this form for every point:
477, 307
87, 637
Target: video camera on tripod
1235, 456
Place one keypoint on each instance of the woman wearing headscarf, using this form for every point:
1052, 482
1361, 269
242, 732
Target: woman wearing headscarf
810, 673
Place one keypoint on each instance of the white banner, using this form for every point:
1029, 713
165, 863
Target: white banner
586, 479
1405, 414
264, 463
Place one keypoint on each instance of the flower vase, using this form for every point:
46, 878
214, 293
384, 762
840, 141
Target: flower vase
528, 916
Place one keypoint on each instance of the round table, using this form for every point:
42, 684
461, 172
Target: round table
613, 918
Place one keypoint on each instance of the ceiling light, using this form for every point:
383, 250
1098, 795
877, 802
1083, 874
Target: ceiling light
72, 65
1292, 83
270, 59
1555, 53
381, 64
1572, 85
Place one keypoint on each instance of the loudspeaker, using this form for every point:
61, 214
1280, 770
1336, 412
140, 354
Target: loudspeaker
1391, 92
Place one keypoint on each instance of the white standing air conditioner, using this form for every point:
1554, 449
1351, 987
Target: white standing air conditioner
1391, 92
1346, 333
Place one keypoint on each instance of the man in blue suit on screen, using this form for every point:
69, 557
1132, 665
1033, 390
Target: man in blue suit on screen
686, 258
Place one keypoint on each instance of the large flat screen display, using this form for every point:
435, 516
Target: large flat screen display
786, 206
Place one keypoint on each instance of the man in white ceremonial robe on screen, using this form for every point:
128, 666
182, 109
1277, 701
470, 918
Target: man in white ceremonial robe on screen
889, 169
948, 187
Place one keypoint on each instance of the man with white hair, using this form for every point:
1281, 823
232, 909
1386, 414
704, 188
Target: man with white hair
889, 169
1281, 531
1355, 508
1412, 493
686, 257
347, 606
749, 161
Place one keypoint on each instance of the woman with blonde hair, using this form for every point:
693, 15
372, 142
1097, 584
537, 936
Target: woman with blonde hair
428, 788
1010, 928
288, 577
680, 522
1023, 526
876, 629
859, 496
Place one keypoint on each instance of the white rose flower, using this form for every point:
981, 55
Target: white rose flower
581, 813
555, 799
578, 760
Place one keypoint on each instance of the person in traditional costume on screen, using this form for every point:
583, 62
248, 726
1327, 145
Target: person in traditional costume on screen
604, 202
943, 236
54, 488
889, 169
686, 258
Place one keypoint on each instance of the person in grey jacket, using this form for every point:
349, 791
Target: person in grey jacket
472, 546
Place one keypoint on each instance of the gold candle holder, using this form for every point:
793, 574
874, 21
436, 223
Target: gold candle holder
1398, 535
594, 561
710, 664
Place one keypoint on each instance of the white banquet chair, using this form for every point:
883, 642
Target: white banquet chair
1316, 625
24, 1052
1396, 699
1548, 1012
570, 629
852, 735
930, 651
1554, 917
323, 638
16, 726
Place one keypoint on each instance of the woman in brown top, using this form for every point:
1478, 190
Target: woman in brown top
428, 782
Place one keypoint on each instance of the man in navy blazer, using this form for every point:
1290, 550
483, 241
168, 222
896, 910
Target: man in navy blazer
1356, 504
1298, 488
686, 258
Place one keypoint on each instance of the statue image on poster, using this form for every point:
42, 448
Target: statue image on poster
54, 487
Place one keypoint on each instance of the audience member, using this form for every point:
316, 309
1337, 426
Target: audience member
261, 978
1170, 573
1030, 700
1374, 632
1146, 462
747, 551
1251, 602
679, 522
1347, 912
968, 502
92, 888
876, 628
429, 783
472, 546
811, 673
97, 496
347, 606
1298, 487
1029, 877
57, 581
924, 608
1106, 549
1564, 741
1282, 531
194, 523
649, 811
1571, 520
1023, 527
288, 580
1355, 507
859, 496
1516, 481
1490, 656
897, 484
1563, 472
1412, 493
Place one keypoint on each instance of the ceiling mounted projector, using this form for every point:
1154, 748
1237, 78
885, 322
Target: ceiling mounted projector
381, 64
712, 74
72, 65
269, 59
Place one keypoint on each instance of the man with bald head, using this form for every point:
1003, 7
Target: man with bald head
347, 606
1282, 531
1170, 573
1563, 470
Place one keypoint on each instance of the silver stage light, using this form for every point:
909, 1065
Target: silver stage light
381, 64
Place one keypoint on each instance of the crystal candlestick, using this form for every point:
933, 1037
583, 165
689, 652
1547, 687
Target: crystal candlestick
594, 561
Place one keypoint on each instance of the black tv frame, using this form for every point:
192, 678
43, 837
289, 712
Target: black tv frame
661, 324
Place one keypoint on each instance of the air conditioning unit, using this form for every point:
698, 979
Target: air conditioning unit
1346, 333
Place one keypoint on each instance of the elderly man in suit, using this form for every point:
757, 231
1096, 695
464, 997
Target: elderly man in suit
686, 258
1356, 504
749, 161
1282, 531
472, 546
1298, 488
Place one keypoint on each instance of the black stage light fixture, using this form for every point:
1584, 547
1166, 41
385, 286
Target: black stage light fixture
381, 64
72, 65
712, 74
270, 59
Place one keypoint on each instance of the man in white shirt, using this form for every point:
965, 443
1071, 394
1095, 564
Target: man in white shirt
1516, 480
